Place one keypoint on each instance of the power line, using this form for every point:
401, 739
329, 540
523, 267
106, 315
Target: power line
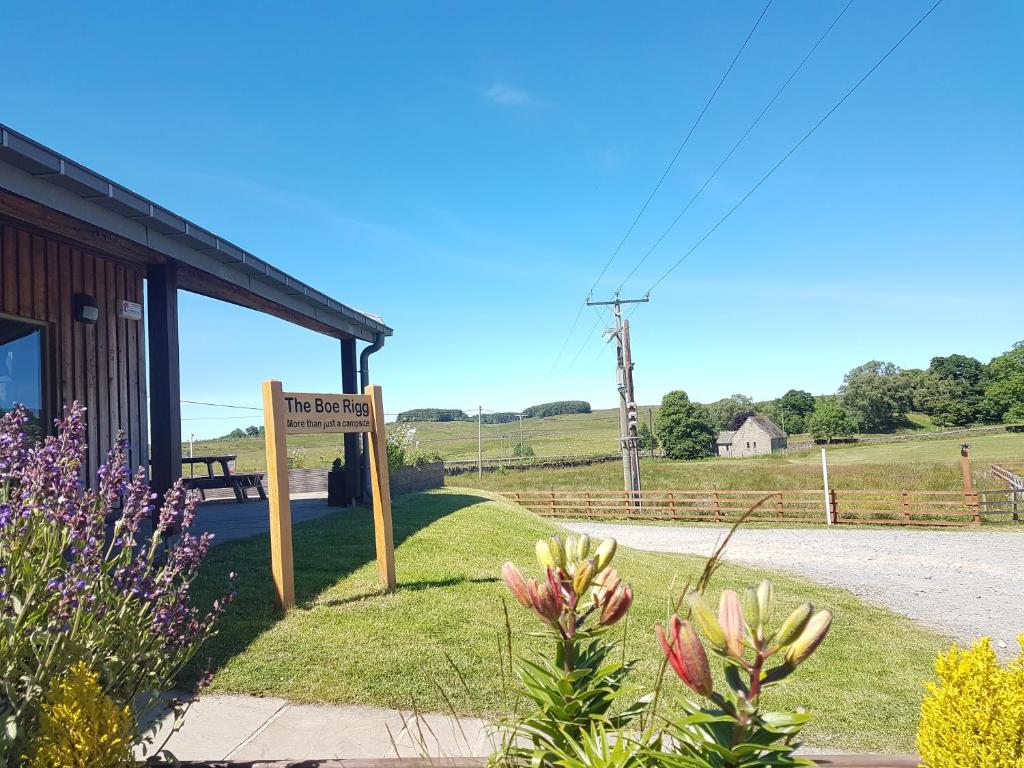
736, 146
682, 146
796, 146
222, 405
601, 318
565, 342
654, 191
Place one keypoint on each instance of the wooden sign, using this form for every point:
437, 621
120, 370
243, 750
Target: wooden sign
306, 413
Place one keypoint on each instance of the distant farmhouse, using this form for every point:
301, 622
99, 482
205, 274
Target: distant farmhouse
757, 435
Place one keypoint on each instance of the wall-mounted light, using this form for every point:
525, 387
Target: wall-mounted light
86, 309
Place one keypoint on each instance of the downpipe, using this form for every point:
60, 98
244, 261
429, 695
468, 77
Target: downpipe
364, 382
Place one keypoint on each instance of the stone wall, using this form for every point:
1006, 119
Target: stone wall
421, 478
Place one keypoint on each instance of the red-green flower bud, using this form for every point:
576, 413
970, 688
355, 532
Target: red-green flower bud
730, 617
686, 655
793, 625
705, 618
605, 585
544, 601
516, 584
815, 631
618, 606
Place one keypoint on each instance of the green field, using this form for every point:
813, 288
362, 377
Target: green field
347, 642
921, 465
574, 434
583, 433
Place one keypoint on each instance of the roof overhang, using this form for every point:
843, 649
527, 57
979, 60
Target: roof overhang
212, 265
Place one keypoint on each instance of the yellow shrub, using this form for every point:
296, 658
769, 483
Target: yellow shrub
80, 727
974, 716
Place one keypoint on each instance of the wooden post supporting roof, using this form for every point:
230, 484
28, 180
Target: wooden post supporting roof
164, 376
350, 386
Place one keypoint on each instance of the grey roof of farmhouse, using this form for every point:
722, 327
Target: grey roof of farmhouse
46, 177
725, 438
768, 425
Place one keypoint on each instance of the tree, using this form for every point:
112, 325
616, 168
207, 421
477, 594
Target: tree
871, 392
646, 439
725, 410
1004, 386
797, 402
254, 431
236, 433
831, 421
684, 428
792, 410
737, 421
954, 390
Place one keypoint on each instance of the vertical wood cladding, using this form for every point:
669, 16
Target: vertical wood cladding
101, 365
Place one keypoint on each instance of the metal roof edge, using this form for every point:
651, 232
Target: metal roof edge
116, 208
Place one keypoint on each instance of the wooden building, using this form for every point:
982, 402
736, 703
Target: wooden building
89, 279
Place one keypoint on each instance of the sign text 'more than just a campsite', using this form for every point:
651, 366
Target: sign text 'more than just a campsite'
306, 413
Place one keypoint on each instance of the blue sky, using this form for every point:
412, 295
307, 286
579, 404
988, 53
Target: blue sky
464, 170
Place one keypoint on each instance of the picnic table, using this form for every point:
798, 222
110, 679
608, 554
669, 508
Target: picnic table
238, 482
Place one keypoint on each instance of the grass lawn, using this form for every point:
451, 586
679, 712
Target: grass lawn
923, 465
348, 642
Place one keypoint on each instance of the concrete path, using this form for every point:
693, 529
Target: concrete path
964, 584
251, 728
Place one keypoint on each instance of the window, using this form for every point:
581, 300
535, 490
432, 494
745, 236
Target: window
755, 445
748, 443
21, 367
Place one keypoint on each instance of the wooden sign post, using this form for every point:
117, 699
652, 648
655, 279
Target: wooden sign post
305, 413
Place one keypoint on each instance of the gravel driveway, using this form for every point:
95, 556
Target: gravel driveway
963, 584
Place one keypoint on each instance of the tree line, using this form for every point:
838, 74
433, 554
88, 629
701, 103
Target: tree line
954, 391
557, 408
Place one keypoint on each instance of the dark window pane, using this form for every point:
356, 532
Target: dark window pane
21, 375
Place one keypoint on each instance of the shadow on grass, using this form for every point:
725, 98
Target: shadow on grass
412, 586
325, 550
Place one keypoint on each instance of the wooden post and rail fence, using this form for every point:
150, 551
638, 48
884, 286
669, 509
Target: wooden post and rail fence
876, 507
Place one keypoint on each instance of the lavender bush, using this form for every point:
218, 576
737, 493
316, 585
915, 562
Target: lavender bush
70, 591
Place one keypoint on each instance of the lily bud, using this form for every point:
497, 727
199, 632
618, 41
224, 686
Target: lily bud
544, 602
618, 606
582, 546
584, 574
516, 584
705, 618
730, 617
793, 625
605, 585
815, 631
686, 655
751, 608
557, 551
544, 556
765, 601
605, 553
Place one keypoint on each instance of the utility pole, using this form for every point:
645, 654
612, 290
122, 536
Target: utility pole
520, 435
480, 441
628, 437
650, 427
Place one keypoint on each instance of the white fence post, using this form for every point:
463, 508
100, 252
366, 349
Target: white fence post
824, 479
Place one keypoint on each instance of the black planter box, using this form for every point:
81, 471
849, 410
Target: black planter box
338, 492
